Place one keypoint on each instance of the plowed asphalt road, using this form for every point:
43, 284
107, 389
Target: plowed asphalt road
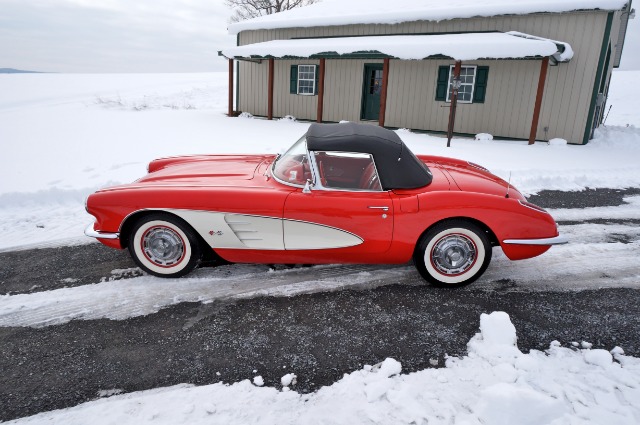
318, 336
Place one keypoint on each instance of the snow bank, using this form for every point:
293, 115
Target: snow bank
494, 384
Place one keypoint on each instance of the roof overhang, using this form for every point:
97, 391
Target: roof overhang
366, 12
463, 47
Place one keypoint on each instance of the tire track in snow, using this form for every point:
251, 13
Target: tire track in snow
118, 300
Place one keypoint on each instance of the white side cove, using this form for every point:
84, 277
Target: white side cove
302, 235
240, 231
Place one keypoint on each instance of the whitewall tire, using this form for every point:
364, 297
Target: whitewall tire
453, 253
163, 245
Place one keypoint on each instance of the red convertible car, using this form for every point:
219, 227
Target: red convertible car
343, 193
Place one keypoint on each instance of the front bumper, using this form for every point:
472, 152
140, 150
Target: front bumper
558, 240
89, 231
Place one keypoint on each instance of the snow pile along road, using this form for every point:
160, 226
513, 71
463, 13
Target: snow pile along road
494, 384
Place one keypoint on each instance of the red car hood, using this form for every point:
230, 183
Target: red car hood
470, 177
205, 169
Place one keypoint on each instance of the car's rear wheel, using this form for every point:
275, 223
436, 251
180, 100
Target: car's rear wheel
164, 245
453, 253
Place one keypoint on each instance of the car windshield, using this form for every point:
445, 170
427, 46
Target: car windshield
293, 167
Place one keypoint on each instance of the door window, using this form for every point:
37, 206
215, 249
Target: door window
375, 83
347, 171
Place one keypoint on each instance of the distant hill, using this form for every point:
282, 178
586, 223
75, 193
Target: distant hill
16, 71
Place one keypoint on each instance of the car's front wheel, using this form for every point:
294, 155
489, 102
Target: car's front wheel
453, 253
164, 245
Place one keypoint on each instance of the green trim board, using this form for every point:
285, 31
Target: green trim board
596, 82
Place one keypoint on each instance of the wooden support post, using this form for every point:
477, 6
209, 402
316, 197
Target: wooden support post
230, 113
320, 91
270, 106
536, 111
454, 103
383, 94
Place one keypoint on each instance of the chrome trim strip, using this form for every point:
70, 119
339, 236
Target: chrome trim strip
89, 231
558, 240
528, 205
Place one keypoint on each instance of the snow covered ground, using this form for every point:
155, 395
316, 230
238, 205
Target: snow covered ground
494, 384
63, 136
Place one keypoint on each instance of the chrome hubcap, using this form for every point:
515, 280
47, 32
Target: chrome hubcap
453, 254
163, 246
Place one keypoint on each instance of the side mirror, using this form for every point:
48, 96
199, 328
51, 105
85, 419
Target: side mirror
307, 187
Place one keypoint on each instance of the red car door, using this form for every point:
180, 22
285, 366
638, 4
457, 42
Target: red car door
347, 208
366, 215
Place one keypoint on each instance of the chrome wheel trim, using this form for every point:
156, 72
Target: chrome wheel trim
451, 238
147, 260
162, 246
453, 254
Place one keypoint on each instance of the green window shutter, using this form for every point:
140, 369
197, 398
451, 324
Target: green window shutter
443, 83
317, 78
293, 85
480, 89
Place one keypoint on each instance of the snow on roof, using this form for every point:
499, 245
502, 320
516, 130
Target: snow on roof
469, 46
342, 12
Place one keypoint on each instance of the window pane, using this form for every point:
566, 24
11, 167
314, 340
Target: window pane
306, 79
347, 171
467, 79
464, 94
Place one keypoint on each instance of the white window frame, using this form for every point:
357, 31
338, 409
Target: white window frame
313, 80
473, 83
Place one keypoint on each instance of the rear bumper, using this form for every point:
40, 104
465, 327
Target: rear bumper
89, 231
558, 240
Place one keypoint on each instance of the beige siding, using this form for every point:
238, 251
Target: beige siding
253, 90
567, 94
343, 89
414, 106
303, 107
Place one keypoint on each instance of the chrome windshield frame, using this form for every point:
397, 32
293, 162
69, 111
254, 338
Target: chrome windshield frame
315, 174
303, 139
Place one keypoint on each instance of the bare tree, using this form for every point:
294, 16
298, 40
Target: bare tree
247, 9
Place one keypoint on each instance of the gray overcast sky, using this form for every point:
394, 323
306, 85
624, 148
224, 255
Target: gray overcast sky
136, 36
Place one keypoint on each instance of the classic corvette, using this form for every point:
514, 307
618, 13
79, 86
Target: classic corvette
343, 193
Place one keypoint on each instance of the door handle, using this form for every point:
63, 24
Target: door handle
378, 208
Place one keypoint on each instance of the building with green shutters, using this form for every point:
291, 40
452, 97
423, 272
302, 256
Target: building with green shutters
531, 70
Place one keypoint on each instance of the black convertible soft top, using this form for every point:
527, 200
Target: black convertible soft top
397, 166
